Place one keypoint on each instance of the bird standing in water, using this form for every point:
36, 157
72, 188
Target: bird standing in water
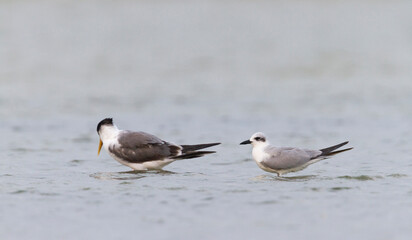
283, 160
143, 151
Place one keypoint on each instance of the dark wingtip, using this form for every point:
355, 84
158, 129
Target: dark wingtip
193, 154
339, 151
191, 148
326, 151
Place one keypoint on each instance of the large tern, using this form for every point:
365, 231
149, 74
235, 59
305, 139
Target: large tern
143, 151
283, 160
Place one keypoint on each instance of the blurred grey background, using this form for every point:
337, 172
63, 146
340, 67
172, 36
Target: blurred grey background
307, 73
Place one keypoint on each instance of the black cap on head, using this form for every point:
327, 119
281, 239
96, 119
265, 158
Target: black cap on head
106, 121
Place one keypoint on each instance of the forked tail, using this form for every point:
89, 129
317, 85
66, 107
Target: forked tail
189, 151
191, 148
329, 151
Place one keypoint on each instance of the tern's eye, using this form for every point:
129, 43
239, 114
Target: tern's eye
257, 138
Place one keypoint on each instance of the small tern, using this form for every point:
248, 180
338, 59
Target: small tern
142, 151
283, 160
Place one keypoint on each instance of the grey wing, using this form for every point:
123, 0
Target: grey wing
313, 153
287, 158
138, 147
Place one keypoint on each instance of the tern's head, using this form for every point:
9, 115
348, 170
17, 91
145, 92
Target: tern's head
256, 139
105, 129
103, 123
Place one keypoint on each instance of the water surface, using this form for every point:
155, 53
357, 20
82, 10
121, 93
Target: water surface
307, 74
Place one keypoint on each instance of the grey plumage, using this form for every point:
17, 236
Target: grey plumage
288, 158
139, 147
282, 160
143, 151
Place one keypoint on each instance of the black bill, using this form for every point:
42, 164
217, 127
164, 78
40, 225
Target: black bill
245, 142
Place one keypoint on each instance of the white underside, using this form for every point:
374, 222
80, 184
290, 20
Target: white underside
150, 165
284, 171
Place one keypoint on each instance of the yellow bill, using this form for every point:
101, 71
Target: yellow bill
100, 147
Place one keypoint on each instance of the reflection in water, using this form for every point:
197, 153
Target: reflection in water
115, 176
129, 175
286, 179
313, 177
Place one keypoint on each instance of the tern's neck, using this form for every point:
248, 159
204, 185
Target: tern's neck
258, 151
108, 132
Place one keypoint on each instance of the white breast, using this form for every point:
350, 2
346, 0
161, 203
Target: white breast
259, 154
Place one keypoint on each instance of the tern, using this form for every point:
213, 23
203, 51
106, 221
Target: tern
142, 151
283, 160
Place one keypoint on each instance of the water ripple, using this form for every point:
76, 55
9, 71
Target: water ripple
361, 177
335, 189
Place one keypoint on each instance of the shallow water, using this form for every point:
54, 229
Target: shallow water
307, 74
